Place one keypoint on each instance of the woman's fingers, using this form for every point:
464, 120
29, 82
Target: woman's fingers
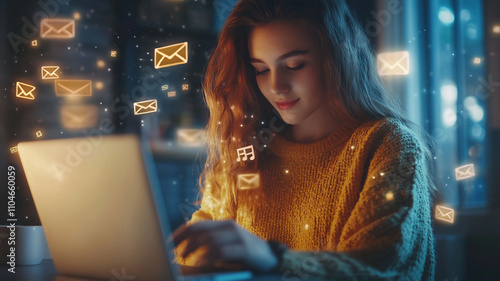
225, 254
213, 239
186, 231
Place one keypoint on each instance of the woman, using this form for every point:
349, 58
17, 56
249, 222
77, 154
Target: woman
342, 189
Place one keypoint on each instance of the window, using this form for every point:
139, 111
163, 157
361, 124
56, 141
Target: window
458, 100
446, 90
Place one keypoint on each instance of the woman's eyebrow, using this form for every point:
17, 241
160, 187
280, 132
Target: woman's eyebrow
285, 56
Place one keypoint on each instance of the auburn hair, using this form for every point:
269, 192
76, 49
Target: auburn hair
238, 110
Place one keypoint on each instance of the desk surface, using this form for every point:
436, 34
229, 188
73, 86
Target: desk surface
46, 271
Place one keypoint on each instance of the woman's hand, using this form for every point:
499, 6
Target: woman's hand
226, 242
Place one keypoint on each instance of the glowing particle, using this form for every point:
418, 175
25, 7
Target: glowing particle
101, 64
99, 85
477, 60
382, 174
34, 43
389, 196
352, 147
76, 16
39, 134
113, 53
307, 226
286, 171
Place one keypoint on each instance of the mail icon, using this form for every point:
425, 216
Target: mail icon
25, 91
191, 137
164, 87
171, 94
72, 88
395, 63
171, 55
57, 28
248, 181
76, 117
147, 106
185, 87
445, 214
13, 149
50, 72
465, 172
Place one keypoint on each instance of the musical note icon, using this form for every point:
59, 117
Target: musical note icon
245, 151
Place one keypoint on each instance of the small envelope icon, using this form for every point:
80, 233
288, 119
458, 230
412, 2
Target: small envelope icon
248, 181
164, 87
50, 72
13, 149
78, 116
465, 172
171, 94
171, 55
191, 137
57, 28
25, 91
445, 214
147, 106
395, 63
73, 88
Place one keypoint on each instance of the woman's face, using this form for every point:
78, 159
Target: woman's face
286, 62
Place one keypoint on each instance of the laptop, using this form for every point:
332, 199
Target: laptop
102, 210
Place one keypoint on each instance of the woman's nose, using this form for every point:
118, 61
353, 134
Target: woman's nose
280, 83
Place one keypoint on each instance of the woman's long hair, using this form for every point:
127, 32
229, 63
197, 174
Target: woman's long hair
237, 107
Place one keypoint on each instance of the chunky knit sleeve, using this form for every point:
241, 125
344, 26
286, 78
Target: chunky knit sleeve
388, 234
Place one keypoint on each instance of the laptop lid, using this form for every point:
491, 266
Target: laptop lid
102, 213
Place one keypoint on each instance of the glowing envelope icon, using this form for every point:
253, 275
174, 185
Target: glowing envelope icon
465, 172
171, 55
248, 181
445, 214
395, 63
57, 28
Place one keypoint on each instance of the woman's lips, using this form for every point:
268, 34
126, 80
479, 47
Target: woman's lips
287, 104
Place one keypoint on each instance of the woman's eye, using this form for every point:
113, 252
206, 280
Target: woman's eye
297, 67
291, 68
260, 72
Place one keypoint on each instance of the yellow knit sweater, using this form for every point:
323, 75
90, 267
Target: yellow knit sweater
352, 206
